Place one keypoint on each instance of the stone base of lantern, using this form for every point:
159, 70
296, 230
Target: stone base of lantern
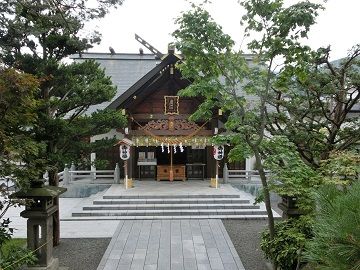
53, 265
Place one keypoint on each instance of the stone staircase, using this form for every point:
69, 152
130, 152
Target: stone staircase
224, 206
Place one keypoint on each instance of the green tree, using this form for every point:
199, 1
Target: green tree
309, 105
35, 37
223, 78
313, 108
216, 73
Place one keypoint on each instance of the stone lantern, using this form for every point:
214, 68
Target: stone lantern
40, 212
289, 207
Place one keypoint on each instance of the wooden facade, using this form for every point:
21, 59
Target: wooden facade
164, 139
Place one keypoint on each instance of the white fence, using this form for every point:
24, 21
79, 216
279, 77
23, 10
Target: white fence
248, 175
72, 175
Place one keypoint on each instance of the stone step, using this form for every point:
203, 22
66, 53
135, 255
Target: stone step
240, 217
172, 201
175, 196
170, 206
189, 212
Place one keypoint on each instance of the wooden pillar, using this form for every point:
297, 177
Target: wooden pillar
171, 176
126, 174
210, 162
217, 173
131, 164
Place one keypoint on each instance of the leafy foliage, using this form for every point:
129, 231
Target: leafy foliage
10, 251
286, 247
314, 110
341, 168
14, 255
290, 175
48, 29
336, 241
208, 54
18, 117
311, 98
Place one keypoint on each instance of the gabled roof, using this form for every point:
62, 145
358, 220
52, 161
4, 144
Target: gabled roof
125, 69
152, 76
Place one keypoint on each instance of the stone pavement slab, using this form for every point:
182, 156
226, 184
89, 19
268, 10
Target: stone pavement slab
186, 244
166, 188
69, 228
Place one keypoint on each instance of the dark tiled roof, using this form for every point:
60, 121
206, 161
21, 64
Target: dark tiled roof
125, 69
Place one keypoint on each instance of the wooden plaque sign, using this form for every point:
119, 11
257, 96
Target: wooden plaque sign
171, 105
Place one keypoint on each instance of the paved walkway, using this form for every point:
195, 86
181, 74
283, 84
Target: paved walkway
169, 245
69, 229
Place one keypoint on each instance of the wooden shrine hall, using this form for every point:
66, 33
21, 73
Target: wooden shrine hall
166, 145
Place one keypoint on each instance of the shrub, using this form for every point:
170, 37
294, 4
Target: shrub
286, 248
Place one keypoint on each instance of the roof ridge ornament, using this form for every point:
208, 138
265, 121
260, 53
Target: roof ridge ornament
149, 47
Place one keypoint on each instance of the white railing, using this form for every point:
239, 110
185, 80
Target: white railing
91, 175
241, 174
72, 175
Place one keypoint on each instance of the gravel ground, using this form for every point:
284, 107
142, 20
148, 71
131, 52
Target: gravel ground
81, 253
245, 235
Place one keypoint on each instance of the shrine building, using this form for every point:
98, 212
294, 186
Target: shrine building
162, 136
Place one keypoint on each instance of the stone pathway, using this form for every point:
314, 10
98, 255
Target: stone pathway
187, 244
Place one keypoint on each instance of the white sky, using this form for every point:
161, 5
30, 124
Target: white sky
153, 20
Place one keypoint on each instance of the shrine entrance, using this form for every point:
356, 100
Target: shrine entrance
155, 163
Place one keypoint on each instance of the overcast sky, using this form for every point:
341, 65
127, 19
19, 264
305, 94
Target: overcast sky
153, 20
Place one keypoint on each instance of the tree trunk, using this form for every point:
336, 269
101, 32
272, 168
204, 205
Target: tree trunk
271, 222
267, 201
54, 181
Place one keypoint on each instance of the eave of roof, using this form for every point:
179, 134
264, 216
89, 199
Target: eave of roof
168, 59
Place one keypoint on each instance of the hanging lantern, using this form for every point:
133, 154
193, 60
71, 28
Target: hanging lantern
124, 151
218, 152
